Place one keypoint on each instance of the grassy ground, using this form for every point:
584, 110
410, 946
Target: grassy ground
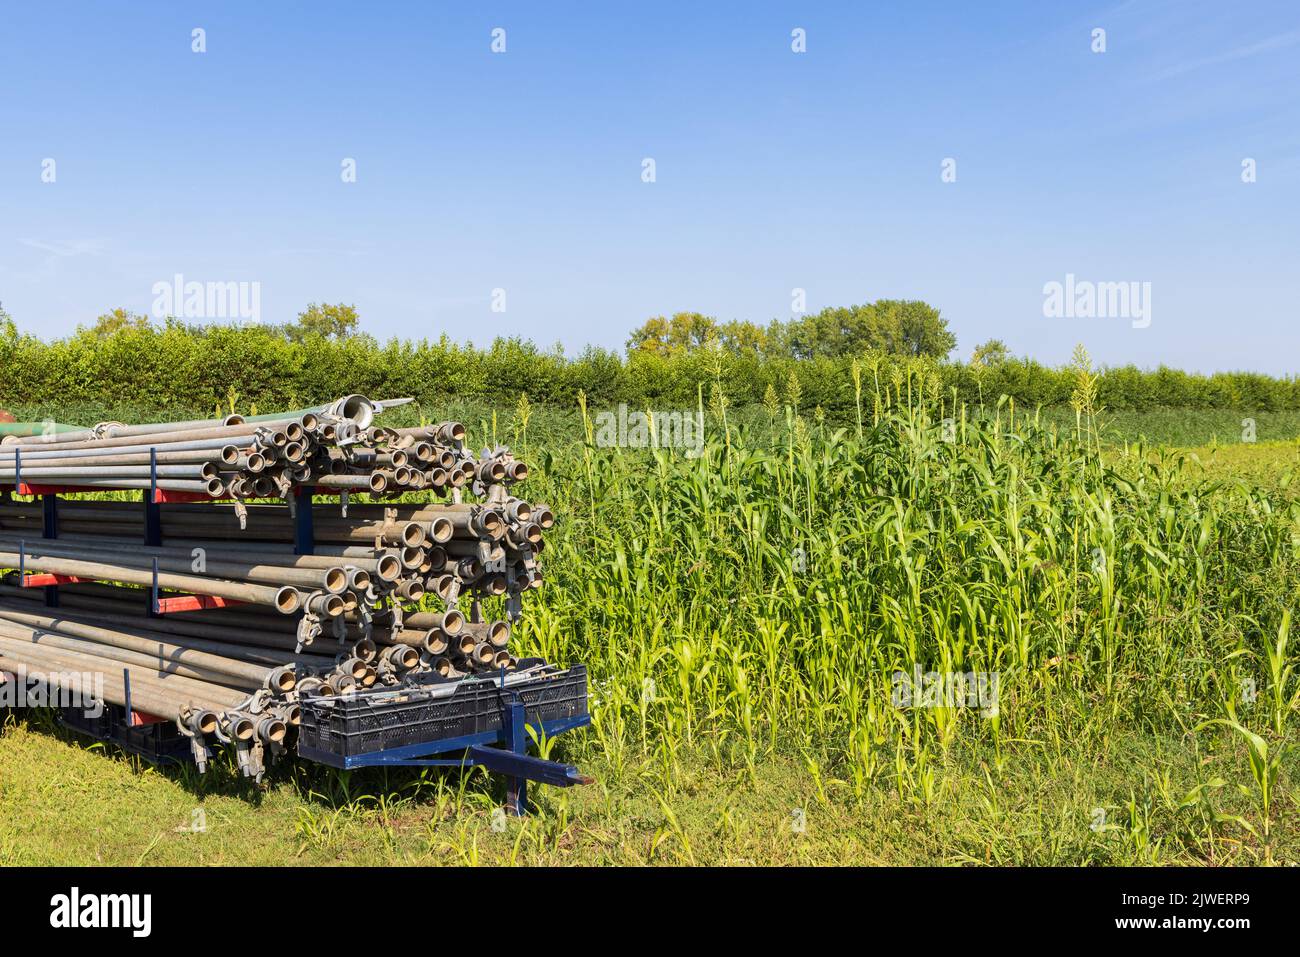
64, 802
1087, 778
1190, 428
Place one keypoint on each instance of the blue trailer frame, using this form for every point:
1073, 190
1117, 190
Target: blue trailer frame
478, 750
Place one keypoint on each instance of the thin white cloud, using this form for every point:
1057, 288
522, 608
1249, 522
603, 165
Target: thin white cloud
1278, 42
56, 250
66, 248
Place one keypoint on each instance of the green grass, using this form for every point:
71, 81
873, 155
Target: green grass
1190, 427
742, 612
64, 802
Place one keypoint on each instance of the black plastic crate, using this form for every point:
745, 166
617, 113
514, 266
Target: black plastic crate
158, 742
370, 721
95, 726
377, 721
553, 699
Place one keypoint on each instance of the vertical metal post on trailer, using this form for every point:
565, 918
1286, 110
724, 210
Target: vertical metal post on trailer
152, 513
517, 742
304, 525
50, 529
152, 530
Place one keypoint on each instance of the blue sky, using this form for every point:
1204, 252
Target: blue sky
774, 170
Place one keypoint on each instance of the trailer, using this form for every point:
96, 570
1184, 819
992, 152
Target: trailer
481, 720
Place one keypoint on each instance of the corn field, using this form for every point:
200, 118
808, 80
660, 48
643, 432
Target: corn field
759, 597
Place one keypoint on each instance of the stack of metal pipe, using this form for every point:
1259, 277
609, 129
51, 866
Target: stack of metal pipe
391, 591
335, 447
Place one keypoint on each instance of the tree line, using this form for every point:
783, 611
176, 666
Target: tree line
892, 326
814, 361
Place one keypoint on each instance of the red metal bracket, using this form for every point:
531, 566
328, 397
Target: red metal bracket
162, 495
44, 580
26, 488
167, 606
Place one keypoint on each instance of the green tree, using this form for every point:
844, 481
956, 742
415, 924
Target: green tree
913, 328
328, 320
991, 353
664, 337
742, 336
898, 327
8, 328
894, 326
111, 323
835, 331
